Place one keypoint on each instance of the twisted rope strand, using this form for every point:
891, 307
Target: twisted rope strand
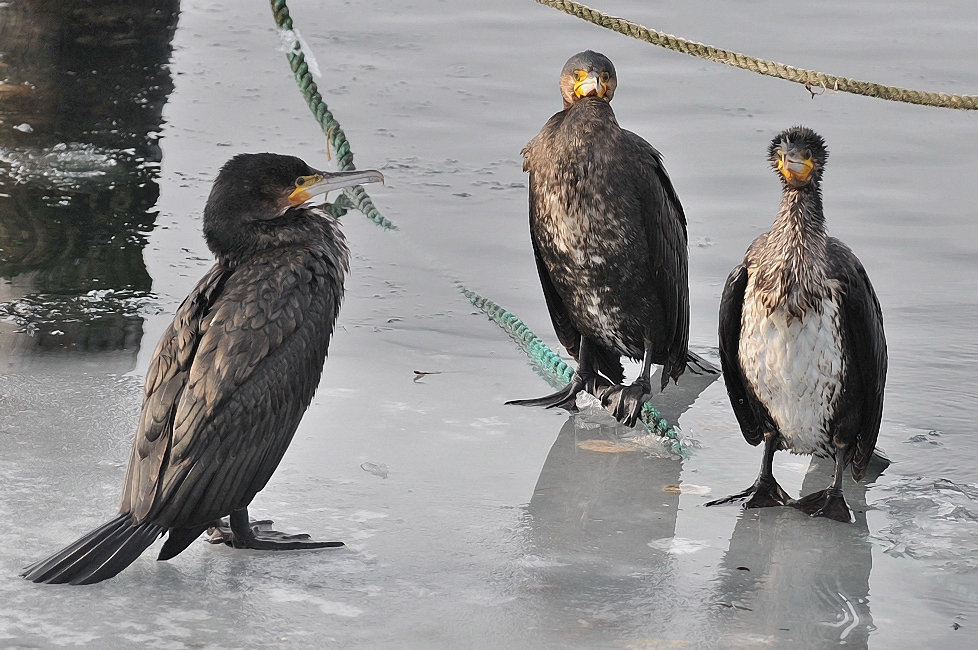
352, 196
809, 78
548, 361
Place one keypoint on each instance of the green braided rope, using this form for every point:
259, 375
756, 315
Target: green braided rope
547, 360
352, 196
537, 350
810, 78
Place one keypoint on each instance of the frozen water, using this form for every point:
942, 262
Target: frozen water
934, 519
377, 469
498, 526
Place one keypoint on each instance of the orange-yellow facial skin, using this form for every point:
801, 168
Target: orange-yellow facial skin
795, 170
299, 195
586, 83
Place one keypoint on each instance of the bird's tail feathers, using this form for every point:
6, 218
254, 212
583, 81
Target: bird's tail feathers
608, 363
694, 365
697, 365
98, 555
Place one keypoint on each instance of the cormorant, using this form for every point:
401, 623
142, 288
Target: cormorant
233, 373
801, 339
609, 237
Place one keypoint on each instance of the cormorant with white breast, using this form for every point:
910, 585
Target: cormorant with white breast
609, 237
233, 373
801, 339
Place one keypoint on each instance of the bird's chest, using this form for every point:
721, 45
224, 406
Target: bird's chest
585, 251
585, 217
794, 365
576, 222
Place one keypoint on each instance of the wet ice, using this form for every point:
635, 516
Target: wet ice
510, 527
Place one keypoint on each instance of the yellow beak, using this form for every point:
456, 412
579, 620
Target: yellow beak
795, 171
590, 84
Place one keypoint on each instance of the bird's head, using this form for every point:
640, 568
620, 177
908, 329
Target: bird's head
798, 155
262, 186
255, 188
587, 74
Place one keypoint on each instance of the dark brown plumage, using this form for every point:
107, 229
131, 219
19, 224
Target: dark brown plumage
801, 339
609, 237
233, 373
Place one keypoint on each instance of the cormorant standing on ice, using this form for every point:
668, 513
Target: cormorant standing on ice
801, 339
233, 373
609, 237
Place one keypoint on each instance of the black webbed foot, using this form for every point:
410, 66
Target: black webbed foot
258, 535
829, 503
566, 397
625, 402
765, 493
273, 540
219, 532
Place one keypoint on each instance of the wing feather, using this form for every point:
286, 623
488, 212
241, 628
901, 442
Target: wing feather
745, 404
865, 344
228, 385
665, 227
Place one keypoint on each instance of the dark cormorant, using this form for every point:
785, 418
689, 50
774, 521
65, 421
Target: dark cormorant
609, 237
801, 339
233, 373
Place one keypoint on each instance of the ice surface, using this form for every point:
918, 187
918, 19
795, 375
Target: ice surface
500, 527
377, 469
934, 519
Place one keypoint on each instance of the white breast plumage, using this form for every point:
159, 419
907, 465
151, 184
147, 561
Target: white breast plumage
795, 367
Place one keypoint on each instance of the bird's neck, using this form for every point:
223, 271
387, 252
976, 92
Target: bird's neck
582, 138
800, 222
297, 228
794, 271
590, 108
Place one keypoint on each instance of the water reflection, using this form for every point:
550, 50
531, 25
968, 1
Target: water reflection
82, 99
788, 579
598, 503
601, 526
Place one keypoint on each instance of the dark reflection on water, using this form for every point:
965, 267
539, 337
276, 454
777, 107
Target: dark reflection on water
602, 525
80, 112
776, 587
596, 512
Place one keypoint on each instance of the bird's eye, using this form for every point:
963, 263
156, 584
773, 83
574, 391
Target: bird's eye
806, 153
299, 182
604, 77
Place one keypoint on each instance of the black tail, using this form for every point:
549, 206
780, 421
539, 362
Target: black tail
608, 363
697, 365
693, 365
97, 556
